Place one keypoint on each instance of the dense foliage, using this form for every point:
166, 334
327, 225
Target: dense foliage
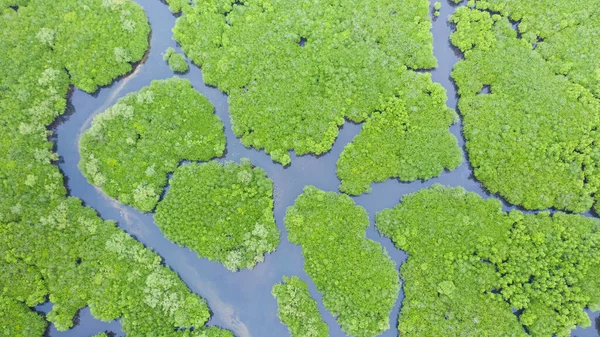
407, 137
298, 310
176, 61
294, 70
470, 264
542, 18
570, 52
564, 30
119, 26
21, 287
18, 320
534, 137
51, 246
223, 212
130, 148
358, 279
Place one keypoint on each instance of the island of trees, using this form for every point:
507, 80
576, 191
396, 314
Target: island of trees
223, 212
291, 90
358, 279
298, 310
130, 148
534, 137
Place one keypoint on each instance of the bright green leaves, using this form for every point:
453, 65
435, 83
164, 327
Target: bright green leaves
563, 32
130, 148
21, 287
212, 331
88, 262
295, 70
447, 288
572, 52
101, 334
358, 279
542, 17
18, 320
470, 264
298, 310
407, 138
119, 27
223, 212
552, 272
50, 244
533, 138
22, 282
176, 61
473, 29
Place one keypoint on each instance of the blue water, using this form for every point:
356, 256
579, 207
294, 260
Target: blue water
242, 301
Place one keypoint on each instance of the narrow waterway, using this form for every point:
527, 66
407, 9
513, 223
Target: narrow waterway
242, 301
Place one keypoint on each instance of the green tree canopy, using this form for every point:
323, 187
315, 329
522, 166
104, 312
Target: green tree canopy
176, 61
130, 148
358, 279
564, 33
298, 310
542, 18
470, 264
294, 70
533, 138
51, 246
406, 138
222, 212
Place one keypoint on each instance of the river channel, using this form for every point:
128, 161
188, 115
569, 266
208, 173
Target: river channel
242, 301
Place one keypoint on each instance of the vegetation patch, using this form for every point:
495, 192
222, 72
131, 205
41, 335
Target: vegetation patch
176, 61
130, 148
407, 138
51, 246
560, 32
294, 70
470, 265
357, 278
298, 310
534, 137
222, 212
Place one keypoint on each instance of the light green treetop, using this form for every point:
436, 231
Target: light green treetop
470, 264
294, 70
298, 310
130, 148
357, 278
176, 61
222, 212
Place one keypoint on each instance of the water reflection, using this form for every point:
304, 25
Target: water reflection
242, 301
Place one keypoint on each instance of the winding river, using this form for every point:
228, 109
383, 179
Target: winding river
242, 301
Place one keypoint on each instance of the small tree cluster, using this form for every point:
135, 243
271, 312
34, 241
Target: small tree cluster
298, 310
176, 61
